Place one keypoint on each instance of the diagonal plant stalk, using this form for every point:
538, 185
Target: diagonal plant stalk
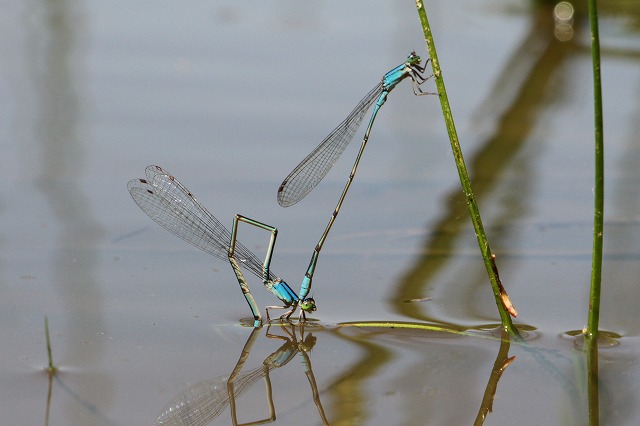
505, 307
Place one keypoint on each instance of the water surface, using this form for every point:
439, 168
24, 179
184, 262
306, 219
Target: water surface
229, 97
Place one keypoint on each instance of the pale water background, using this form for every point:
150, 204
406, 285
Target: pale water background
229, 96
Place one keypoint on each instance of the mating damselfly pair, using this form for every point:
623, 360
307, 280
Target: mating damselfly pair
174, 207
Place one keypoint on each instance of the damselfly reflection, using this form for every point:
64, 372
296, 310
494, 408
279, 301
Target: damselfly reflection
201, 403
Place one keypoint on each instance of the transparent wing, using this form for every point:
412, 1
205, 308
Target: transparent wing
317, 164
171, 204
199, 404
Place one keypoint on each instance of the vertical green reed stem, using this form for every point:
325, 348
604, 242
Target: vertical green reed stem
489, 259
591, 338
598, 213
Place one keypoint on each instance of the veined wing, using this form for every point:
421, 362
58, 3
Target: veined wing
165, 200
199, 404
317, 164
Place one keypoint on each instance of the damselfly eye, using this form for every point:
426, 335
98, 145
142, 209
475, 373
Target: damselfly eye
413, 58
308, 305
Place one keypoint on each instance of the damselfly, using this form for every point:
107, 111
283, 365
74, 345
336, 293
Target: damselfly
317, 164
173, 206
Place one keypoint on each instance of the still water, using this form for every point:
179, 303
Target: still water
229, 97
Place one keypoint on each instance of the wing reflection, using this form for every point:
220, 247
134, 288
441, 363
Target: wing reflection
202, 402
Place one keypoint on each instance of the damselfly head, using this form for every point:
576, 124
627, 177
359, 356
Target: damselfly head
413, 58
308, 305
308, 343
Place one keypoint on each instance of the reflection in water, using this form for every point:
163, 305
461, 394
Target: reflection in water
517, 101
590, 349
199, 404
608, 391
51, 370
349, 390
560, 370
54, 29
499, 366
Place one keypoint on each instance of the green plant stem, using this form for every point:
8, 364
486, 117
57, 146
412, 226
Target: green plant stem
598, 212
591, 338
52, 368
499, 293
